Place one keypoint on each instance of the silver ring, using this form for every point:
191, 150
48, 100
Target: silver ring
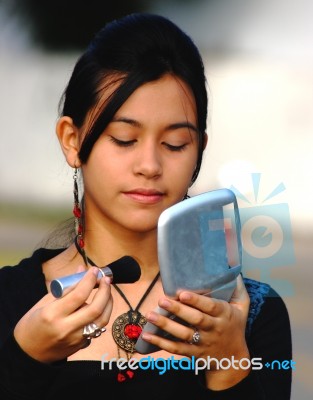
92, 331
195, 337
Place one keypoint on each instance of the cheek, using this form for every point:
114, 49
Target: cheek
191, 161
102, 160
182, 171
96, 171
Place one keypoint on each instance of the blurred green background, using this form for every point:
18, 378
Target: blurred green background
24, 226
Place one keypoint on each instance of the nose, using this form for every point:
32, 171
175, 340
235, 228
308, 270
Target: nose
148, 161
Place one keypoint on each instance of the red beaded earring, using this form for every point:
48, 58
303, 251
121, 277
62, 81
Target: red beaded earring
77, 213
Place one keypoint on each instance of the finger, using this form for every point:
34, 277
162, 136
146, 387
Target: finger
98, 310
186, 313
205, 304
47, 299
240, 299
78, 295
172, 346
170, 325
240, 294
102, 303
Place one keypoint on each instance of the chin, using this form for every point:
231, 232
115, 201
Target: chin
139, 226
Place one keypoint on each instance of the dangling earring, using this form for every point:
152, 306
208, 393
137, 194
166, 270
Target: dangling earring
77, 211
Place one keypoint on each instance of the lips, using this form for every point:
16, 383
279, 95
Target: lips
146, 196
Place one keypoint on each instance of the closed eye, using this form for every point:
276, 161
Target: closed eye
122, 143
175, 148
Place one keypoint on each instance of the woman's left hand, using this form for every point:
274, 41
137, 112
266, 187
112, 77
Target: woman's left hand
221, 327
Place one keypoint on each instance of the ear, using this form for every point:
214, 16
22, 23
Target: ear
68, 135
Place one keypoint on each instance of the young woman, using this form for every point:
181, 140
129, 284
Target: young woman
133, 128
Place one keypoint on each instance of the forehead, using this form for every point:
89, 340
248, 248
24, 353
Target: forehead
167, 97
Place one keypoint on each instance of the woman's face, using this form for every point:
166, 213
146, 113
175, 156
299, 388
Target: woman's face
144, 160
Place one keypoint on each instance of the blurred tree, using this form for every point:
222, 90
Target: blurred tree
69, 24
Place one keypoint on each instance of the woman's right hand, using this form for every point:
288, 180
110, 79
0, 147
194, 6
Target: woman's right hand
53, 329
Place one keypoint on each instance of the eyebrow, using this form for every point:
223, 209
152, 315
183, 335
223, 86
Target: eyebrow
174, 126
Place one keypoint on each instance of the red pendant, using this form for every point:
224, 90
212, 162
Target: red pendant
132, 331
126, 332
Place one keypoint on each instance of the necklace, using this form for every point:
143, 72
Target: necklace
127, 327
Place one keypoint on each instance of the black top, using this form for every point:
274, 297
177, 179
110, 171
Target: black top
22, 377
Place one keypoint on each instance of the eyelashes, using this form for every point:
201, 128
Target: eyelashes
129, 143
176, 148
122, 143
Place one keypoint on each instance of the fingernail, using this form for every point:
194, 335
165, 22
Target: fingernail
185, 296
146, 336
107, 280
152, 317
164, 303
